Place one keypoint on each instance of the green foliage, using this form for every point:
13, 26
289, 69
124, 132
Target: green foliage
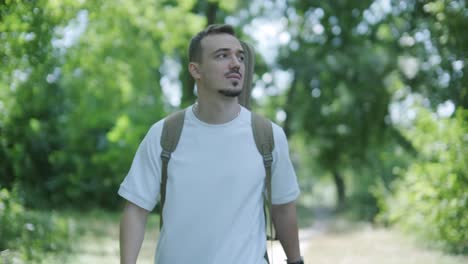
340, 93
80, 86
431, 197
31, 101
26, 234
350, 61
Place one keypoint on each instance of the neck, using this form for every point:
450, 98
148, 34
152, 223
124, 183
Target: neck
217, 112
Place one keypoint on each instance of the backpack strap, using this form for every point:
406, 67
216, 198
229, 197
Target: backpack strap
172, 129
264, 140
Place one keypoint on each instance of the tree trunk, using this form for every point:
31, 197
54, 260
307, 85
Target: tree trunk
211, 10
289, 108
340, 188
188, 83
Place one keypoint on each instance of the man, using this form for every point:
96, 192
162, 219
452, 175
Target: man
213, 210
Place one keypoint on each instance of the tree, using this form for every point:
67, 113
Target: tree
31, 99
350, 61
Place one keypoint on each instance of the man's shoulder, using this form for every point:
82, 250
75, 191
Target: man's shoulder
277, 129
156, 128
158, 125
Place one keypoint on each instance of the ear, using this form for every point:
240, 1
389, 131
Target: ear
194, 70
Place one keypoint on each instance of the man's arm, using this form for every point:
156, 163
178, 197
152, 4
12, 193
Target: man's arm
285, 221
132, 232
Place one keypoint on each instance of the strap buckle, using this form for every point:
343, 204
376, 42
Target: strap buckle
268, 159
165, 155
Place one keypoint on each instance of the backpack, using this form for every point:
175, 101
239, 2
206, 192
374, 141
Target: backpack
263, 135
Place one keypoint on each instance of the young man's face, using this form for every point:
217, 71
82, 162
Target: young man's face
222, 67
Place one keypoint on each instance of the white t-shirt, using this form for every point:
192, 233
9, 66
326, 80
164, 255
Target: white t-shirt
214, 200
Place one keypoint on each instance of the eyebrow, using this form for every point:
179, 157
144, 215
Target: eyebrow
226, 49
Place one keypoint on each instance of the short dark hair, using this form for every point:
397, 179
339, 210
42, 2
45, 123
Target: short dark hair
195, 49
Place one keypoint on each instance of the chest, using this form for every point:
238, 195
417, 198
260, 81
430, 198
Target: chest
216, 159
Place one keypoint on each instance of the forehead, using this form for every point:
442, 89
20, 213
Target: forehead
212, 43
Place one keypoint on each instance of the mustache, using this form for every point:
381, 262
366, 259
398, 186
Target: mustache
234, 71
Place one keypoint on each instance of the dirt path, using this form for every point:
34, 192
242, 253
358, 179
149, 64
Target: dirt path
332, 240
364, 245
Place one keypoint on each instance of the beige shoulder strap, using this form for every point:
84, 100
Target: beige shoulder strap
263, 135
172, 129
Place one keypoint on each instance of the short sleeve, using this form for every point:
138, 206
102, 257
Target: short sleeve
142, 183
285, 188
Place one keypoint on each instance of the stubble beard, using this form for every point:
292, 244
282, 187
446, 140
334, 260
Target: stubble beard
230, 92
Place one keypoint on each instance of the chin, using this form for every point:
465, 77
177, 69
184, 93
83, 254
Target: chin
230, 92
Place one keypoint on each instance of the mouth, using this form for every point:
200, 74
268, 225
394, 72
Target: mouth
235, 76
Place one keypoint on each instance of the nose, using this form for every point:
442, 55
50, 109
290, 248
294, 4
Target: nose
235, 62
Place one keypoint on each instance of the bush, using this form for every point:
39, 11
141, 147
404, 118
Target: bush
431, 197
28, 235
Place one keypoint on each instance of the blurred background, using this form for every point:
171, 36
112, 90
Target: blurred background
373, 97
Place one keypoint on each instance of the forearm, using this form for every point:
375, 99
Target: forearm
132, 232
285, 221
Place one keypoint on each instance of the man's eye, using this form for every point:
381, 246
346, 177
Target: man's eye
221, 56
241, 58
